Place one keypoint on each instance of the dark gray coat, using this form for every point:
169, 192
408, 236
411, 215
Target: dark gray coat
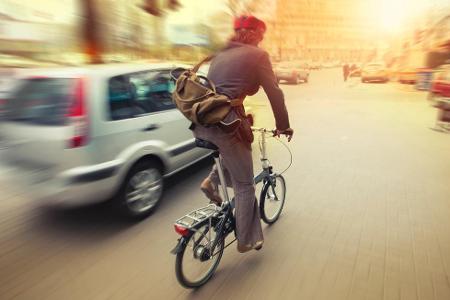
239, 70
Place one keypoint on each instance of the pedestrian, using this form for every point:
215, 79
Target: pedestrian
237, 71
346, 71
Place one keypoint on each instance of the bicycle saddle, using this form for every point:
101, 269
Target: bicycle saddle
205, 144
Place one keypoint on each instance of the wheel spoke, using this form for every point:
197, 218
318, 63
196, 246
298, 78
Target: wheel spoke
144, 190
273, 199
154, 184
136, 197
274, 194
191, 270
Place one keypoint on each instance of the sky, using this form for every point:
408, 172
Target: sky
392, 15
197, 11
395, 15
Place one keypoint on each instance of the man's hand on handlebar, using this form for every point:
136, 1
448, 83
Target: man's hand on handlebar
289, 132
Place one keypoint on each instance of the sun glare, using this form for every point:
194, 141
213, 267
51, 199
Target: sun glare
391, 15
395, 15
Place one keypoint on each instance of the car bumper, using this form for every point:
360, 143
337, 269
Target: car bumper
407, 78
292, 78
441, 102
287, 77
303, 77
375, 78
74, 187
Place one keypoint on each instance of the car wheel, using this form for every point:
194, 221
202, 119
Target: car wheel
306, 79
142, 190
295, 80
363, 80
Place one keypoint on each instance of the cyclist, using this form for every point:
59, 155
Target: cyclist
239, 70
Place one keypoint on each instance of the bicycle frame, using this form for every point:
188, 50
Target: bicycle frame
266, 167
209, 226
227, 206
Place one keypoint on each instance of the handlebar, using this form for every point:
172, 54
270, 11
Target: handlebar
260, 129
273, 132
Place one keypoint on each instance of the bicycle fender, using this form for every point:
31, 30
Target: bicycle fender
179, 246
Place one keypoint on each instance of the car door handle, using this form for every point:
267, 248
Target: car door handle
151, 127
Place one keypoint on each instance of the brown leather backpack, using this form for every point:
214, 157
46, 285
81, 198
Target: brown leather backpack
196, 97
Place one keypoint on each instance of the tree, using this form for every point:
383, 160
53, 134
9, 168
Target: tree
91, 35
153, 7
90, 32
238, 7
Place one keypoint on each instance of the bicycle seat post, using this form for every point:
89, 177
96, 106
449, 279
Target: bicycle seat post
222, 179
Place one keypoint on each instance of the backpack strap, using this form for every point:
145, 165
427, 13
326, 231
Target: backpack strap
206, 59
237, 102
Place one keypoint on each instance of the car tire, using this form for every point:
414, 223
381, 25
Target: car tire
141, 191
295, 80
363, 80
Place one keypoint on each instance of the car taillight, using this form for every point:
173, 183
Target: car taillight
78, 117
181, 230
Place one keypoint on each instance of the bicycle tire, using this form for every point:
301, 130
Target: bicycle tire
182, 279
263, 197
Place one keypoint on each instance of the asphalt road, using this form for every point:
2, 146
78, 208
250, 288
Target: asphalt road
367, 214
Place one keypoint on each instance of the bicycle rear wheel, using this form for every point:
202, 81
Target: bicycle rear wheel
194, 265
271, 201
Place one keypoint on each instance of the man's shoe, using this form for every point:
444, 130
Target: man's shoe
211, 191
246, 248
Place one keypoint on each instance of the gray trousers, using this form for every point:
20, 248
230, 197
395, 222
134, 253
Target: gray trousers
236, 158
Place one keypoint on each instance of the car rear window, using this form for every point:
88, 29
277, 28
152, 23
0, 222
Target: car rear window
284, 65
42, 101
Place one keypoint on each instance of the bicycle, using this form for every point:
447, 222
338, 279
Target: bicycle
204, 230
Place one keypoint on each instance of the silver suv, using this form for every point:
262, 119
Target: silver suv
85, 135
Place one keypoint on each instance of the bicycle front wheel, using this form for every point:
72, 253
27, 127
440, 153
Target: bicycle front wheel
195, 264
271, 201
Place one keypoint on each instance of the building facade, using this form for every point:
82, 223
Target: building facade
321, 30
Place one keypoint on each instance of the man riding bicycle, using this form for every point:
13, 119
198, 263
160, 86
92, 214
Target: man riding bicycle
238, 71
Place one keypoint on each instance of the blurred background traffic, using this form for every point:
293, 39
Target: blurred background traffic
404, 35
86, 117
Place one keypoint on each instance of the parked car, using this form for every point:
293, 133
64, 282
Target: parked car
439, 95
85, 135
303, 70
440, 85
315, 66
355, 70
406, 75
8, 80
292, 72
374, 72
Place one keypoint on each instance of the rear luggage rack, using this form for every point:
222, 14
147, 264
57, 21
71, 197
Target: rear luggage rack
195, 217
